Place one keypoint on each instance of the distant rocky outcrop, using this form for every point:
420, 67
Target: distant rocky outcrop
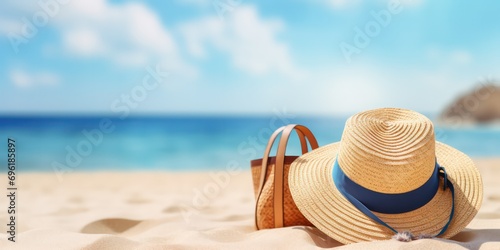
481, 105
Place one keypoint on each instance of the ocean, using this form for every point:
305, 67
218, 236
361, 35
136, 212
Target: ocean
179, 143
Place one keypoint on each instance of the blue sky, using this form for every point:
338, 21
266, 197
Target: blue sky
242, 57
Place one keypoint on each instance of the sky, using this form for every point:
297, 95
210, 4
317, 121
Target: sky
242, 57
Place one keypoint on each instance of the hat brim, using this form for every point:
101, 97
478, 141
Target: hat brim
314, 192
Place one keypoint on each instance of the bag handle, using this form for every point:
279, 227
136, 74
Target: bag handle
267, 152
265, 161
303, 134
279, 169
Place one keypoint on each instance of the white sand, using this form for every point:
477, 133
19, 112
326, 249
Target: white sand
154, 210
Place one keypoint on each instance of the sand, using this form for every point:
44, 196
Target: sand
202, 210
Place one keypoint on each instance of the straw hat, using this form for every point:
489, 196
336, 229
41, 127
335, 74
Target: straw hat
386, 177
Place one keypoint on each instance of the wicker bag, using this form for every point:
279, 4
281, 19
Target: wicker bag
274, 206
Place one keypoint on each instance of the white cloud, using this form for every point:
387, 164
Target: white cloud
8, 26
461, 57
129, 34
11, 13
345, 89
350, 88
250, 41
83, 42
24, 79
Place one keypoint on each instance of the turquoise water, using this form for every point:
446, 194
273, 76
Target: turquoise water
178, 143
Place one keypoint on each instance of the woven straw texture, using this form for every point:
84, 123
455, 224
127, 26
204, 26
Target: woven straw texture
256, 168
256, 178
265, 212
389, 151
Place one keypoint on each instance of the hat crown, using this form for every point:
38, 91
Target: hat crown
388, 150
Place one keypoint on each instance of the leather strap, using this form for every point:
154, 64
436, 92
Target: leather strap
279, 168
267, 152
303, 133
